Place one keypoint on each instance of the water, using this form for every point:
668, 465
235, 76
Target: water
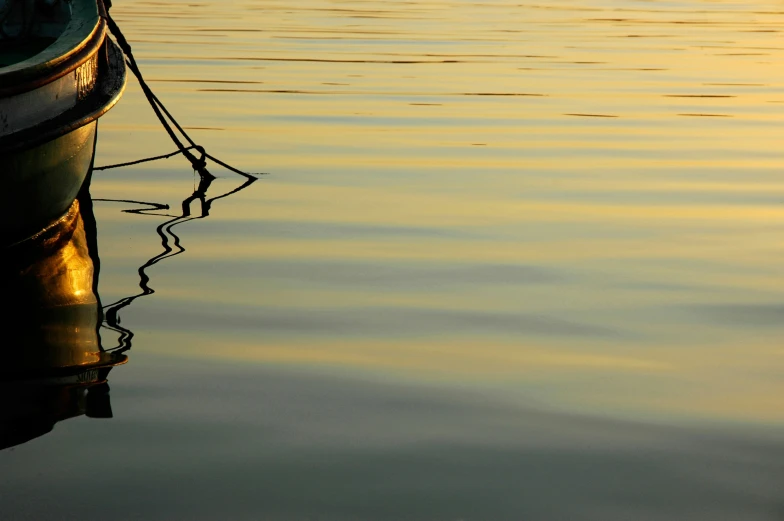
511, 261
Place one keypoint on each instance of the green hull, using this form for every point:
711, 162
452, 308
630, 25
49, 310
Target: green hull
42, 168
44, 184
52, 364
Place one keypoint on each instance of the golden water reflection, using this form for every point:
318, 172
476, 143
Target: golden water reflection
582, 195
513, 261
52, 364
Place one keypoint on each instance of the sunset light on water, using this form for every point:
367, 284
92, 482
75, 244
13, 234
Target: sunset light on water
503, 260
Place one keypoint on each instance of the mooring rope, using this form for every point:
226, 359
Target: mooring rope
199, 164
140, 161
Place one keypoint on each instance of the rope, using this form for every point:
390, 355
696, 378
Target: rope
170, 243
139, 161
199, 164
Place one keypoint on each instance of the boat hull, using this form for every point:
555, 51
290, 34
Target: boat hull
42, 168
45, 181
59, 76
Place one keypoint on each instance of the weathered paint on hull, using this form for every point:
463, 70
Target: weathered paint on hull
34, 107
40, 184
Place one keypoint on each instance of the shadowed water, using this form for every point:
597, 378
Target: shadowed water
511, 261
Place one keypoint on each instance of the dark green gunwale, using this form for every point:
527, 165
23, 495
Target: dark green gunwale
85, 32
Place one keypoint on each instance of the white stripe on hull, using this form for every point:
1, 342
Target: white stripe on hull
30, 108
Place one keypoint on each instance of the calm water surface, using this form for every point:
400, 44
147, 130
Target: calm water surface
511, 261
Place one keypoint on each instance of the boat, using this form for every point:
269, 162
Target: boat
59, 72
58, 342
53, 365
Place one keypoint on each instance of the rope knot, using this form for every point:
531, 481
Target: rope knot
202, 161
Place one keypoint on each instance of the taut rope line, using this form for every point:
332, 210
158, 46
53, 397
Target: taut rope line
199, 164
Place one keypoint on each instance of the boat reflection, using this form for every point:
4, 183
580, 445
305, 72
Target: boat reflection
54, 363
